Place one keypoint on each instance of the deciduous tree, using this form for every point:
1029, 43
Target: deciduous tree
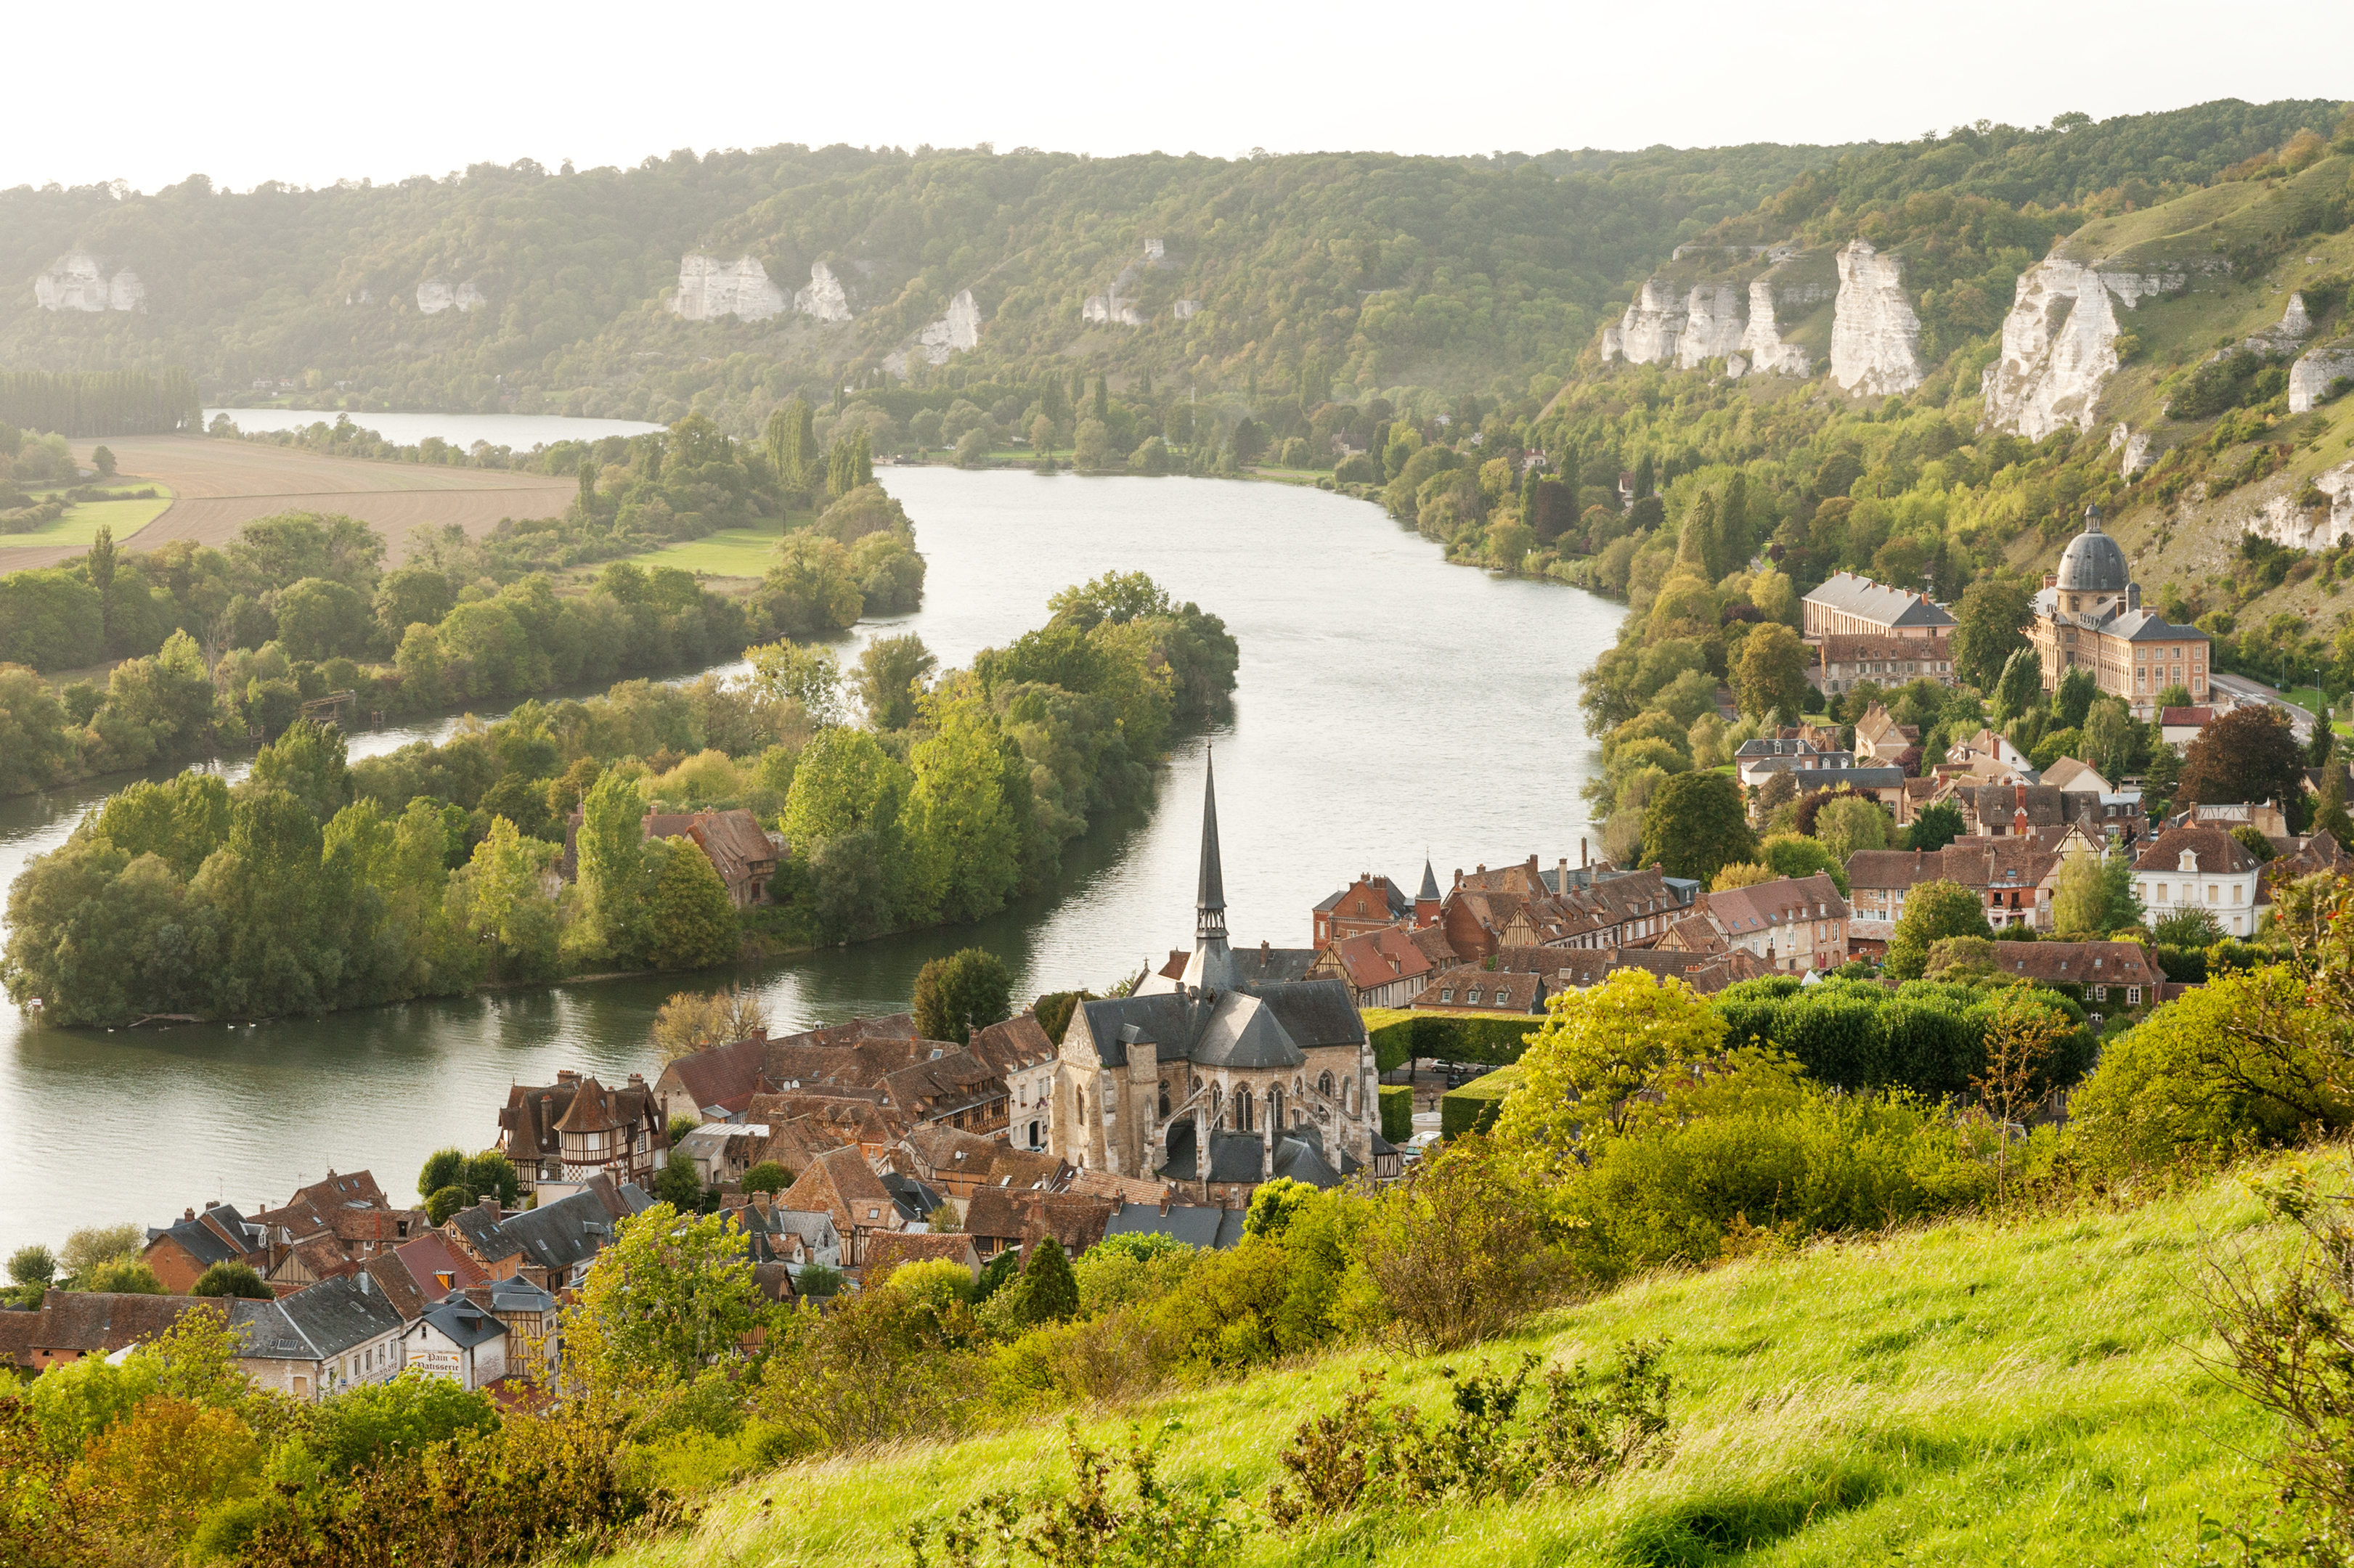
1695, 825
1933, 910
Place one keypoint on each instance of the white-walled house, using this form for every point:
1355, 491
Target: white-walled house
2201, 867
460, 1340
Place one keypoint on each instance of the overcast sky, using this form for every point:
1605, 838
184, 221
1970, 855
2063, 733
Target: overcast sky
309, 93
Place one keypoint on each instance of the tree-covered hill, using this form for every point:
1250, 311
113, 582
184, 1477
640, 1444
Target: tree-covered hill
1379, 268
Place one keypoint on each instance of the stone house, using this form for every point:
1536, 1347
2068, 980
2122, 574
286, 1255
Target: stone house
1472, 988
2201, 868
1846, 604
1368, 904
1793, 925
1023, 1055
1883, 659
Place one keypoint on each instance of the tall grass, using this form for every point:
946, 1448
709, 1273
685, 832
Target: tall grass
2023, 1393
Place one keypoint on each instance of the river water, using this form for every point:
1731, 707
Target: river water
1388, 705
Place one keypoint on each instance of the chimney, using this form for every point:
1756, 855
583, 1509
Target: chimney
1561, 876
760, 1033
211, 1203
1264, 954
186, 1214
1581, 854
490, 1205
566, 1076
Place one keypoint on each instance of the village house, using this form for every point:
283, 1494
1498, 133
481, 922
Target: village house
1792, 924
1023, 1055
2014, 878
842, 1185
2088, 799
551, 1245
2089, 616
1191, 1224
1880, 741
338, 1334
461, 1339
885, 1252
1382, 969
1371, 902
1883, 659
961, 1163
1471, 989
2180, 726
560, 1135
1849, 605
1488, 911
179, 1254
1002, 1219
2200, 867
722, 1152
1755, 760
1705, 972
2112, 975
744, 853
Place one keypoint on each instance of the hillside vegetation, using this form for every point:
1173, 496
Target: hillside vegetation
1966, 1393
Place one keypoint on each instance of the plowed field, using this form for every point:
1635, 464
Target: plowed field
222, 485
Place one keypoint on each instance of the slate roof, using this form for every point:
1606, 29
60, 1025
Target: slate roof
203, 1239
1189, 1224
1256, 1027
559, 1235
335, 1315
1866, 599
463, 1323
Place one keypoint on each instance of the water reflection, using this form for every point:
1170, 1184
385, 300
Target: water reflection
1388, 705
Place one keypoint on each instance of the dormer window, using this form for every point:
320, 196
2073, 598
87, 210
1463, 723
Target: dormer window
2190, 861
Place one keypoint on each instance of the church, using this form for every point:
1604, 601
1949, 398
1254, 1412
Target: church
2089, 616
1210, 1077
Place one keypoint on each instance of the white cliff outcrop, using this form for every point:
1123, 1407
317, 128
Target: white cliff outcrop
79, 281
2059, 344
1648, 332
1712, 324
2309, 379
1184, 309
2284, 522
825, 298
2137, 450
434, 295
2293, 327
709, 288
1761, 340
1875, 336
959, 329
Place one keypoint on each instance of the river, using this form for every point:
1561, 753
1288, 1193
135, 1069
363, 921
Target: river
1388, 705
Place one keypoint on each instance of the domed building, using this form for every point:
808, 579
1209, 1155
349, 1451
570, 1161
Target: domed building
2089, 615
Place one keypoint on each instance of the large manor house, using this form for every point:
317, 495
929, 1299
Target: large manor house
1219, 1072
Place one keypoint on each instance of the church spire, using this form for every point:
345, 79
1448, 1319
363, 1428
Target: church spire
1212, 968
1210, 900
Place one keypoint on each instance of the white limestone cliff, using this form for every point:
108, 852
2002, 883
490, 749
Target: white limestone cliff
1184, 309
2284, 522
2060, 344
2293, 327
79, 281
825, 298
1712, 324
1875, 336
1761, 339
437, 295
2309, 379
709, 288
1648, 332
959, 329
2137, 450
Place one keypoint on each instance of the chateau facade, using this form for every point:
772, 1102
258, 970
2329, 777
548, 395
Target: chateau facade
2089, 616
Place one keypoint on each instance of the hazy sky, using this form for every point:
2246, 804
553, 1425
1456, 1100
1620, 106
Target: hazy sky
309, 93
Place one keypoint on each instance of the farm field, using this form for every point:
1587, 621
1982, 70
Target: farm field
221, 485
80, 526
2031, 1394
730, 552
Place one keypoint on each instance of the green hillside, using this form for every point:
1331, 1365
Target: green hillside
1965, 1393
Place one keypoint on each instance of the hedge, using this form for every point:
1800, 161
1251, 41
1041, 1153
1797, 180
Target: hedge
1397, 1113
1928, 1035
1494, 1038
1473, 1108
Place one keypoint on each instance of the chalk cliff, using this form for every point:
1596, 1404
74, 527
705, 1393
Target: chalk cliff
2284, 522
1712, 324
79, 281
1875, 336
434, 295
1648, 332
825, 298
2293, 327
2309, 379
1761, 340
2060, 343
2137, 450
709, 288
959, 329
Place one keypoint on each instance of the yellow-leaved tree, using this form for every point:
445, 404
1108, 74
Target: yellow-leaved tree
1597, 1047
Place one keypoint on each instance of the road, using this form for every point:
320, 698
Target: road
2243, 691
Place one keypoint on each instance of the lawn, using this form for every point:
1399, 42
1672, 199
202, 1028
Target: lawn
730, 552
1963, 1394
80, 523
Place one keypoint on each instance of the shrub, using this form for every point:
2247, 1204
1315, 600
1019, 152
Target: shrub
1397, 1113
767, 1176
1464, 1247
232, 1279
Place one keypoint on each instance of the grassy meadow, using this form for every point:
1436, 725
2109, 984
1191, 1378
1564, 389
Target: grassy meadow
729, 553
82, 520
2028, 1393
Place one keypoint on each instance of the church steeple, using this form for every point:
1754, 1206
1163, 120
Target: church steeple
1211, 967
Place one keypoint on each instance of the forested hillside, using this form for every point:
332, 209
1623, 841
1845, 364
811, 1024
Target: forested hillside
1383, 269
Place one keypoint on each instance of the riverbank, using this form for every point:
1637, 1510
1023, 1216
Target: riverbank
210, 1111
